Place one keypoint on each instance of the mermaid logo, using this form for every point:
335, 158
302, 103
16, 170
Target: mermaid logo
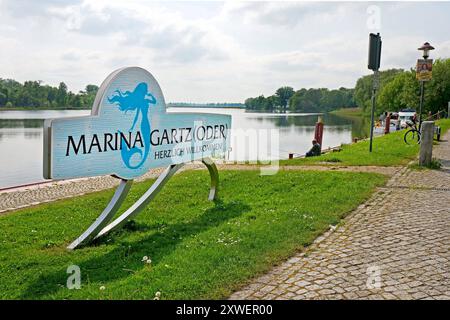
139, 100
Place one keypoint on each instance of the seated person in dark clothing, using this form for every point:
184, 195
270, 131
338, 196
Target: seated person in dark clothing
316, 150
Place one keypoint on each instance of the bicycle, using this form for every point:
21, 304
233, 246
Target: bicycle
412, 136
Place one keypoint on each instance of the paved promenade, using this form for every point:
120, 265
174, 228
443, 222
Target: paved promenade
395, 246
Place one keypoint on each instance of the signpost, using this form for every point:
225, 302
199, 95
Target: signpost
374, 65
424, 73
128, 133
424, 69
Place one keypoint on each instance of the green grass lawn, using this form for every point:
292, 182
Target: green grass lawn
388, 150
199, 249
353, 112
444, 124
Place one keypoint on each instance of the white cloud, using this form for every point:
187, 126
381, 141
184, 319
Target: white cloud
211, 51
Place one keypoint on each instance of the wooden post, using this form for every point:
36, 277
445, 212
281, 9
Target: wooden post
387, 123
318, 132
291, 156
426, 143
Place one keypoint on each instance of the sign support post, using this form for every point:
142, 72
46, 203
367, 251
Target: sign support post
372, 113
422, 92
424, 73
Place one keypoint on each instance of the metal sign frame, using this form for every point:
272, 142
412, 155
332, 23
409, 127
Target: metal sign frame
126, 96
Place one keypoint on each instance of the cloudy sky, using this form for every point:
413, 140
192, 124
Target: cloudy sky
211, 51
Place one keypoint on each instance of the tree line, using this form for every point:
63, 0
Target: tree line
33, 94
303, 100
399, 89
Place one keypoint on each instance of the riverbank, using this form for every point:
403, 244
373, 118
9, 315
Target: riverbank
389, 155
388, 150
350, 112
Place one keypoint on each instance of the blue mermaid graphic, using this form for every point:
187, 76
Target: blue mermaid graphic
139, 100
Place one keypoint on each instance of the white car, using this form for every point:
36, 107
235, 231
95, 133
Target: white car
406, 115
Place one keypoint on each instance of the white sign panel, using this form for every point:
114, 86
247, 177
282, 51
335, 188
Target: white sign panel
130, 132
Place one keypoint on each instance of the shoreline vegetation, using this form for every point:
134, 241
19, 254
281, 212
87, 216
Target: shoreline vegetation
350, 112
399, 89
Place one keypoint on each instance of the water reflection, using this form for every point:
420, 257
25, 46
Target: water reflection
21, 123
21, 136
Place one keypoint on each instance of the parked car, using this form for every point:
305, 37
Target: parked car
406, 115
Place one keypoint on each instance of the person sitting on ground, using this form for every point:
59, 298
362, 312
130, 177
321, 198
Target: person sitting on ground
315, 151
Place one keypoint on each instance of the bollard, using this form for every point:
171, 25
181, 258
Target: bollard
426, 143
387, 124
318, 132
291, 156
448, 113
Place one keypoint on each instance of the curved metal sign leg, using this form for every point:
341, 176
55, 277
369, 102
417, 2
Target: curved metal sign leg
101, 227
214, 173
106, 215
143, 200
155, 188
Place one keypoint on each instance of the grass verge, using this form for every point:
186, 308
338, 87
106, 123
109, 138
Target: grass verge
353, 112
388, 150
199, 249
444, 124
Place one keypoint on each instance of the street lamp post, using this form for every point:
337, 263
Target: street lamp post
426, 48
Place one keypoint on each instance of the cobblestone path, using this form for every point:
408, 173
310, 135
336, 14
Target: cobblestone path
395, 246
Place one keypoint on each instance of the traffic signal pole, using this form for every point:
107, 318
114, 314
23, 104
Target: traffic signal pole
372, 115
374, 64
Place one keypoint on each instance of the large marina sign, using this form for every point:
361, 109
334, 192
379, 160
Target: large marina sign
129, 132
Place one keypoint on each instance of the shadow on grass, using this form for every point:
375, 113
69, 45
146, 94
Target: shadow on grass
126, 256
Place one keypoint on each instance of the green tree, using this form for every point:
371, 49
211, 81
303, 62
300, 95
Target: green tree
88, 95
403, 91
437, 91
61, 95
284, 94
363, 88
400, 93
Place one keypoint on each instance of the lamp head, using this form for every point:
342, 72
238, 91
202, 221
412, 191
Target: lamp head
426, 47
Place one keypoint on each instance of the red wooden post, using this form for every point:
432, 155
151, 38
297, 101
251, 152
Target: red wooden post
387, 124
318, 132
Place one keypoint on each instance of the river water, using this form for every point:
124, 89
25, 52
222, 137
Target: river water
21, 137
